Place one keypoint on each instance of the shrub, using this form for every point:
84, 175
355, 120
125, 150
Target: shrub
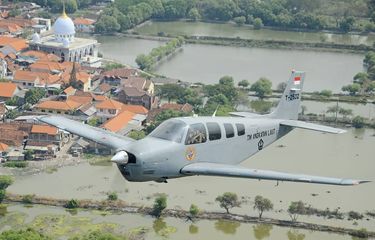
355, 215
159, 205
72, 203
112, 196
16, 164
194, 210
358, 122
228, 200
28, 198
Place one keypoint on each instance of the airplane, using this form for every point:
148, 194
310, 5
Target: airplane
212, 146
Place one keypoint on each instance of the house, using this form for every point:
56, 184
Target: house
3, 150
138, 109
115, 76
78, 147
47, 67
118, 122
137, 91
15, 46
3, 111
28, 79
84, 24
8, 28
14, 133
107, 109
45, 140
69, 91
57, 107
186, 108
103, 89
32, 56
8, 90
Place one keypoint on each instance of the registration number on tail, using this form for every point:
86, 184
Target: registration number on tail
292, 97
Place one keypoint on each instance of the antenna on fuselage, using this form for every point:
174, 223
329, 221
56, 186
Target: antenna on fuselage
214, 114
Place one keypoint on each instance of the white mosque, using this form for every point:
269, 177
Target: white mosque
64, 44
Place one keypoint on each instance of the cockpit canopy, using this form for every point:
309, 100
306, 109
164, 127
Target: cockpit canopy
174, 130
171, 130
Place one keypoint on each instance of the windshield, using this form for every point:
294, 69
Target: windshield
172, 130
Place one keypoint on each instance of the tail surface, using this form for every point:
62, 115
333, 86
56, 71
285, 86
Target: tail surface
290, 101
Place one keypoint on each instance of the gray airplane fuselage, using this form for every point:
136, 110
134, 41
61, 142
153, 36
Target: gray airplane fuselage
157, 159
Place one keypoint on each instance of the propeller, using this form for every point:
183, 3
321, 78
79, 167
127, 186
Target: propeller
120, 157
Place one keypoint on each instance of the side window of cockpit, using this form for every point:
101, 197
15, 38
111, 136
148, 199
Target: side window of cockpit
240, 129
229, 130
214, 131
196, 134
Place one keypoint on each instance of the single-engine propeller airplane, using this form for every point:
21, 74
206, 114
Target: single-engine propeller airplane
213, 146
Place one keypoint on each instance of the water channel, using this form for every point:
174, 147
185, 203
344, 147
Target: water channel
247, 32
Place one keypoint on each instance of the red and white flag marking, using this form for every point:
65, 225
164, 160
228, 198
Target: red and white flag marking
297, 80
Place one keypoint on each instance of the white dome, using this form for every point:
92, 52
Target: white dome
35, 38
64, 26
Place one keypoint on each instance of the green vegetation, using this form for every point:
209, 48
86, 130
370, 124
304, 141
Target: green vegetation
28, 154
146, 62
111, 66
352, 89
27, 199
94, 121
34, 95
302, 14
361, 233
262, 87
194, 210
358, 122
14, 101
243, 83
262, 204
28, 234
5, 181
228, 200
295, 209
72, 204
97, 235
159, 205
16, 164
112, 196
137, 135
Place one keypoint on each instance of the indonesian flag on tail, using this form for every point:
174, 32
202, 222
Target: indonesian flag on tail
297, 80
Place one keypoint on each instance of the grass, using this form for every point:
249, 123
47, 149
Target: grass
16, 164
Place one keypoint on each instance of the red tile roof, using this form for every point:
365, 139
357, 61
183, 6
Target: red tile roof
7, 90
58, 105
83, 21
3, 147
44, 129
118, 122
135, 109
109, 104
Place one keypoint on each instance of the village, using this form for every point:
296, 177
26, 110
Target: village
46, 69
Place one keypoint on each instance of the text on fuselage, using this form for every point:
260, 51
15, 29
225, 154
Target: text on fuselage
264, 133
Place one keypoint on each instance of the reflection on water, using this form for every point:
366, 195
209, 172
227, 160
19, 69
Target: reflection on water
262, 231
3, 210
193, 229
227, 227
162, 229
295, 235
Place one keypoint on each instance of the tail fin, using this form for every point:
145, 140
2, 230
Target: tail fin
289, 104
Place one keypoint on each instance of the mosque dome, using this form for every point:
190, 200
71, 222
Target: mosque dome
35, 38
64, 25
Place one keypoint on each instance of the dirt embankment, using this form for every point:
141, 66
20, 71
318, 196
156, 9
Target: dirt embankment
123, 207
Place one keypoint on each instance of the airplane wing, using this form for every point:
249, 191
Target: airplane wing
95, 134
311, 126
224, 170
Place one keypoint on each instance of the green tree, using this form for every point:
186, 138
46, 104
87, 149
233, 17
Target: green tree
358, 122
228, 200
111, 66
171, 91
326, 93
34, 95
28, 234
240, 20
159, 205
194, 210
295, 209
353, 89
14, 101
360, 78
28, 154
258, 23
5, 181
194, 14
346, 25
262, 204
262, 87
14, 12
243, 83
94, 121
144, 62
345, 112
137, 135
107, 24
281, 87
